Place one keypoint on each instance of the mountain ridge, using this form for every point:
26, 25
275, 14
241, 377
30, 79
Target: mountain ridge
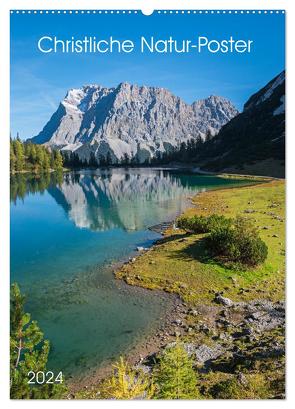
257, 134
140, 122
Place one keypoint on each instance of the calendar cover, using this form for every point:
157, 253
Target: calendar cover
147, 163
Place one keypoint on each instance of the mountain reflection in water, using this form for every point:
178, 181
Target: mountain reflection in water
68, 230
130, 199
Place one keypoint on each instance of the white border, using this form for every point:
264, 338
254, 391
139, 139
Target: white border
61, 12
147, 6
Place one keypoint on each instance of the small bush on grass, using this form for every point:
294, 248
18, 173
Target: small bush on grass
202, 224
237, 242
255, 386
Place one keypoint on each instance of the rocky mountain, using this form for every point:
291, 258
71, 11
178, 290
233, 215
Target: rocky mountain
131, 121
254, 139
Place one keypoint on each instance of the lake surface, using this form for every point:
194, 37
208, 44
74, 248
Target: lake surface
67, 231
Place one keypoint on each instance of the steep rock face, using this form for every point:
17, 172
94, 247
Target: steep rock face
130, 121
255, 135
213, 111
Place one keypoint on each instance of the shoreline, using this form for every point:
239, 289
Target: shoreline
156, 339
168, 330
145, 347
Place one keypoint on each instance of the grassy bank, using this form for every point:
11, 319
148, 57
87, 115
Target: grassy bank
245, 341
237, 345
178, 263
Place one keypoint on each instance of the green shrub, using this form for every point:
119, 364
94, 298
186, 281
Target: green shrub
237, 242
195, 224
202, 224
254, 386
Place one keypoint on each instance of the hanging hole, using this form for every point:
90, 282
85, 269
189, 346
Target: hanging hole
147, 11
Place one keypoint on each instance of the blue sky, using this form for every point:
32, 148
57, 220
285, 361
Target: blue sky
39, 81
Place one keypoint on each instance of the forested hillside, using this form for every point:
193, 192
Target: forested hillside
28, 157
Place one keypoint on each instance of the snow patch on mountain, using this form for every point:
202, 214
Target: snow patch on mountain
268, 93
280, 109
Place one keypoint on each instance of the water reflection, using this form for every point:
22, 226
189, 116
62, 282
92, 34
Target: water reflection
23, 184
130, 199
66, 270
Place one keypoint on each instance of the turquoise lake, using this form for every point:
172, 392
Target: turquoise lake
67, 231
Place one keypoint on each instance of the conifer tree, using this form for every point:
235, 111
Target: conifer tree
92, 160
208, 136
125, 159
40, 157
102, 160
65, 158
33, 154
52, 160
28, 352
19, 154
12, 158
58, 161
174, 376
127, 383
46, 161
109, 159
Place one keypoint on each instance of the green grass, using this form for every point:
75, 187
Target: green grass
178, 262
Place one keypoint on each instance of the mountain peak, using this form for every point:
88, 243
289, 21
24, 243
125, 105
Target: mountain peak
217, 108
124, 84
254, 140
140, 122
276, 85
